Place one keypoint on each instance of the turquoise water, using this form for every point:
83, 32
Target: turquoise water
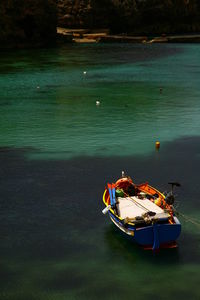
58, 149
49, 104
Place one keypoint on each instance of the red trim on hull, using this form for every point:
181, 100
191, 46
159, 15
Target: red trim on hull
170, 245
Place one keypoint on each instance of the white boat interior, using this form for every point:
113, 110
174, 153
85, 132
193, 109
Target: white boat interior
132, 207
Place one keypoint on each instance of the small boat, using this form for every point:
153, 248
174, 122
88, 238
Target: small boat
143, 213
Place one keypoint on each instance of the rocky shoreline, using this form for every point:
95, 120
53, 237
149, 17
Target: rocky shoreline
33, 23
103, 36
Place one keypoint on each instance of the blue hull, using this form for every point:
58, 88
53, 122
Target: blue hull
154, 235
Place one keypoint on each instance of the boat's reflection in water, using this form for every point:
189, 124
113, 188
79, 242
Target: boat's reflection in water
122, 247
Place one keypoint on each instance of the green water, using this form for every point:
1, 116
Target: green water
58, 149
48, 103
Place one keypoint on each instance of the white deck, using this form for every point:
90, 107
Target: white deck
132, 207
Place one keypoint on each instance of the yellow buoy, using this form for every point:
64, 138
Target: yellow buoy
157, 145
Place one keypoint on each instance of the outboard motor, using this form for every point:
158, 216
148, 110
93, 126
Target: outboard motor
169, 198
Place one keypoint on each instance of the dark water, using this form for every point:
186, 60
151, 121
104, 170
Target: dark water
58, 150
56, 244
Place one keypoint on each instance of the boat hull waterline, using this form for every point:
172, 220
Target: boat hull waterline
152, 232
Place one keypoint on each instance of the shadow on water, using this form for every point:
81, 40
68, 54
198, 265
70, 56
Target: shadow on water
92, 54
121, 245
42, 194
50, 213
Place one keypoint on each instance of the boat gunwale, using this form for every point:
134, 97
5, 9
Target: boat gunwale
118, 217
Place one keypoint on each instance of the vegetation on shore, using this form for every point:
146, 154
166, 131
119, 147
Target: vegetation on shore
33, 22
131, 16
27, 23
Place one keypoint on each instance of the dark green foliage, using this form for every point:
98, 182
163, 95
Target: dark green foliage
125, 15
170, 16
132, 16
33, 22
156, 16
24, 22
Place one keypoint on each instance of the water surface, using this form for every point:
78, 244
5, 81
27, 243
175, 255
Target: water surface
48, 103
58, 150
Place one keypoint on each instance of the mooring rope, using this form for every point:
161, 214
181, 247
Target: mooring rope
189, 219
136, 203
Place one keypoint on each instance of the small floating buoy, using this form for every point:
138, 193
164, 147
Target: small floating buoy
157, 145
97, 103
